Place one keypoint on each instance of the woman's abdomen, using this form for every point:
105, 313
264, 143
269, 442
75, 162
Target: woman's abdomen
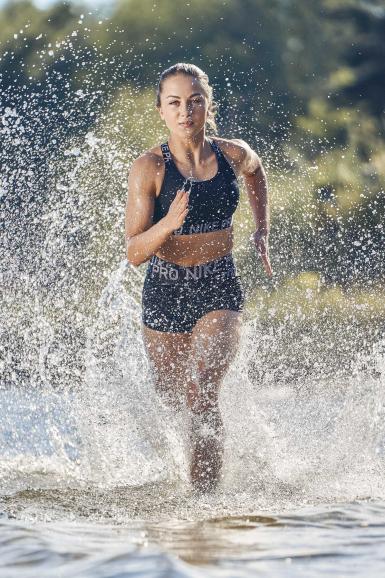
189, 250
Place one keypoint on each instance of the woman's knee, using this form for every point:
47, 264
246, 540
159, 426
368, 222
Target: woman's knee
169, 388
203, 398
210, 376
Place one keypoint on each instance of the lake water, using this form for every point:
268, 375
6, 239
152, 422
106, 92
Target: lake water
96, 485
337, 539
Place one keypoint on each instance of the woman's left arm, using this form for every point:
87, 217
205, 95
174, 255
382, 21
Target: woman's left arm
254, 176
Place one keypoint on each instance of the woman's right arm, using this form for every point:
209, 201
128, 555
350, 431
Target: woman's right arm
143, 239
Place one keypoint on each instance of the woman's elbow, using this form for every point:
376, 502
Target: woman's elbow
132, 255
133, 262
132, 258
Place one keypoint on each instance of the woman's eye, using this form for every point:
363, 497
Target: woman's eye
195, 101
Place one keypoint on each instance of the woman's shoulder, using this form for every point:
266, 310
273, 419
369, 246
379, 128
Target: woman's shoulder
235, 150
150, 159
240, 154
148, 170
149, 166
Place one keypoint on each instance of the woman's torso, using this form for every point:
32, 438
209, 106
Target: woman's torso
207, 232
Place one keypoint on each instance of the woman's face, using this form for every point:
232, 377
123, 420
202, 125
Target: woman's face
183, 105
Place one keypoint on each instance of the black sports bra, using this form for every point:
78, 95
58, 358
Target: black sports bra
211, 203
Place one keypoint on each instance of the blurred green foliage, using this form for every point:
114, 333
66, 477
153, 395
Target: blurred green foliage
303, 82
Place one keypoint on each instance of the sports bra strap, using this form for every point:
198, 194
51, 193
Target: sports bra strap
166, 152
167, 157
215, 146
222, 160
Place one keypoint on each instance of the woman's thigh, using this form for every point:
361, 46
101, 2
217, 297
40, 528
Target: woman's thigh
169, 355
214, 343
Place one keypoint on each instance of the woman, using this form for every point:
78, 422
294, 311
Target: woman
181, 199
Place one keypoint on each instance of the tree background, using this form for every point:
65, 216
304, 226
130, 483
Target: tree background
301, 81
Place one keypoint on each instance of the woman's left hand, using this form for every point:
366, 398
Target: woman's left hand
260, 239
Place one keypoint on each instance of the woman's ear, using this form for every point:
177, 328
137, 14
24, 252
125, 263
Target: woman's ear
160, 112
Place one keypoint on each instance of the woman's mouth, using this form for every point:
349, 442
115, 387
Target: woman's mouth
188, 123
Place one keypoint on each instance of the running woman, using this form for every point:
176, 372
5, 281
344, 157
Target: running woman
181, 199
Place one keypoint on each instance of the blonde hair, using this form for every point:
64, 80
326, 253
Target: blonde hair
196, 72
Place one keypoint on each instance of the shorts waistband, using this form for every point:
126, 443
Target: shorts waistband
160, 269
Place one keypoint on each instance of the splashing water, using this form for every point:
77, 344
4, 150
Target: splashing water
322, 441
83, 433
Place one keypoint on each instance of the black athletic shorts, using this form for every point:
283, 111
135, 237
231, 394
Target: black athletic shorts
175, 297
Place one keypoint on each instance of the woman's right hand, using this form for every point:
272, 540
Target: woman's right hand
177, 212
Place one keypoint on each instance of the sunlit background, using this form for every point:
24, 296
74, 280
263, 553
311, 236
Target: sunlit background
304, 84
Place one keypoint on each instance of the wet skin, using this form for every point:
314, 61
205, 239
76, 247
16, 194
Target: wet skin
189, 368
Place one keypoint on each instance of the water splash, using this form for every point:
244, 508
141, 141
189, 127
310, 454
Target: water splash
79, 409
324, 441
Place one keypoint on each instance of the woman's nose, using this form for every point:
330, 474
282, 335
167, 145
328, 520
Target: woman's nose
186, 109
